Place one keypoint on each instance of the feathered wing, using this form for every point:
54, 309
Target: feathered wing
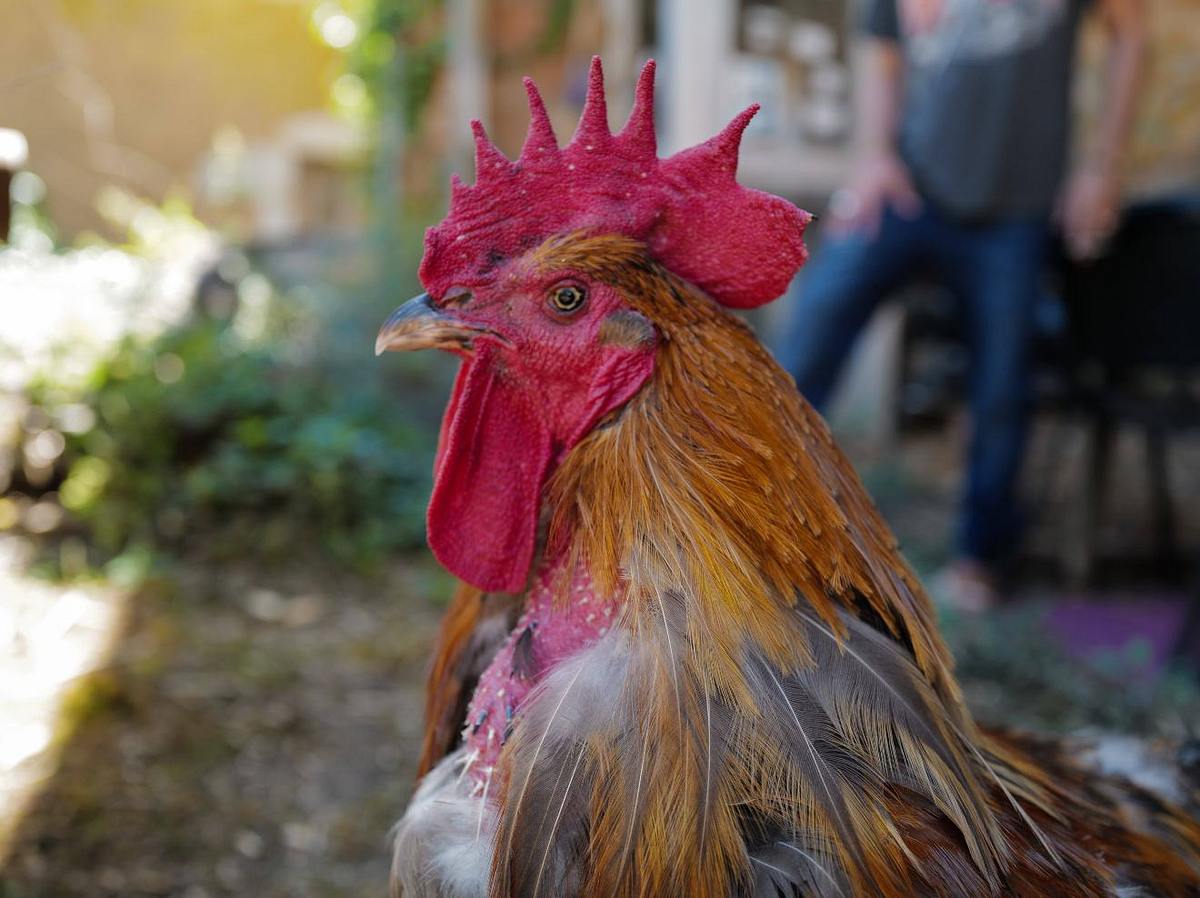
628, 775
1147, 844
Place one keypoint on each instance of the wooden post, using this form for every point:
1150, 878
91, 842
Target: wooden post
468, 65
619, 51
14, 150
5, 204
695, 43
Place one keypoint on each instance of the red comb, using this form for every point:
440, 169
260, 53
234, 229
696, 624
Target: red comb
742, 246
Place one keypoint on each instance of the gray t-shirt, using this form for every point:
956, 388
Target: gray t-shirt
986, 115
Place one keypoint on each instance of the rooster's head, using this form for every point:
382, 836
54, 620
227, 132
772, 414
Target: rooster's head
530, 280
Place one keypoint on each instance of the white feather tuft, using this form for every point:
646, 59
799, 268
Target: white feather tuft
443, 846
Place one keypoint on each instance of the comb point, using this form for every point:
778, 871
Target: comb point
458, 189
593, 123
488, 158
540, 135
639, 127
728, 143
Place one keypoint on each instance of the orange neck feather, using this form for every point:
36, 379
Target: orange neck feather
721, 482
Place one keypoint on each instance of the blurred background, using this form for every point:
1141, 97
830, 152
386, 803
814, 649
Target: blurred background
215, 604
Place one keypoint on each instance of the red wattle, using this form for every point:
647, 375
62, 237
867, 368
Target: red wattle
499, 442
492, 462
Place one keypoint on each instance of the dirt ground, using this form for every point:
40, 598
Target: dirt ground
255, 734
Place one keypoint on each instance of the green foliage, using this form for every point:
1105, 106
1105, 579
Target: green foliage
205, 442
399, 54
558, 20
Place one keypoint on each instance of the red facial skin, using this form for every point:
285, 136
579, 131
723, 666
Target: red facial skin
534, 385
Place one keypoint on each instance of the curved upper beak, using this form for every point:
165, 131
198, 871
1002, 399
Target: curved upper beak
419, 324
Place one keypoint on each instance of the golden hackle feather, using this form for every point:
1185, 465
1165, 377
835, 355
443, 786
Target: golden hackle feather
720, 452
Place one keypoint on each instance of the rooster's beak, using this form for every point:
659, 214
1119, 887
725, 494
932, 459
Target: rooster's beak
419, 324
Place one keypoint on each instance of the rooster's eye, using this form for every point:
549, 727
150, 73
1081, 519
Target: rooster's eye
567, 299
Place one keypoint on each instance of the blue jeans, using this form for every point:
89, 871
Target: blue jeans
994, 269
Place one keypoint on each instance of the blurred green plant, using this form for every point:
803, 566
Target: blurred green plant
400, 46
392, 51
31, 228
203, 443
558, 20
401, 52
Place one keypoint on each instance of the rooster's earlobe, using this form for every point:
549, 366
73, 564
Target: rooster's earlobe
626, 328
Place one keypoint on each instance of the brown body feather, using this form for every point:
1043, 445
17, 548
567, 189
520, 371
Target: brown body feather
782, 715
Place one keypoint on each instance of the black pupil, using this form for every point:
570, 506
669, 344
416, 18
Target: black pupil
567, 298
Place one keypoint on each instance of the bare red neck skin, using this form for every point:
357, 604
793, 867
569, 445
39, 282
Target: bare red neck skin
547, 633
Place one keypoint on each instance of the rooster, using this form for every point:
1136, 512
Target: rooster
688, 659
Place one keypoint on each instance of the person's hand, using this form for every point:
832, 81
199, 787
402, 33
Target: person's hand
879, 181
1088, 210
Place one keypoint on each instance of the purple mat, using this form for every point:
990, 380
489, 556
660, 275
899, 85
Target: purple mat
1088, 625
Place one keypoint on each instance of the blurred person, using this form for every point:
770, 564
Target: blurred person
961, 150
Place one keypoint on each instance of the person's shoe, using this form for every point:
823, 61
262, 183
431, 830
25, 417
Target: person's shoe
966, 585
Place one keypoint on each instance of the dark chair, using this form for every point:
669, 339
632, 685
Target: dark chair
1134, 331
1127, 354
